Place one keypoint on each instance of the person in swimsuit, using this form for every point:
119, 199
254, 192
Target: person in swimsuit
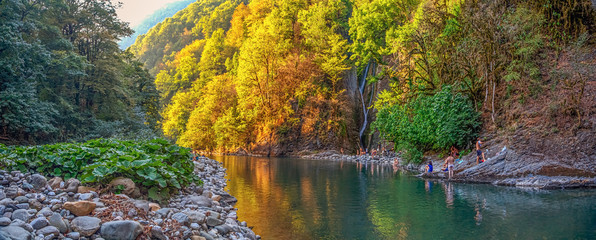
450, 161
479, 152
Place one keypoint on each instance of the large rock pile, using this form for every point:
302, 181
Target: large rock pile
31, 207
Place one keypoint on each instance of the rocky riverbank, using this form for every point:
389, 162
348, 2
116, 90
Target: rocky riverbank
503, 166
387, 158
507, 166
33, 207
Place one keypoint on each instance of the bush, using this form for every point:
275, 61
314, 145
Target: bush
154, 165
434, 122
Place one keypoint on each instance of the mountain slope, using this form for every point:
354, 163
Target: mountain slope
272, 77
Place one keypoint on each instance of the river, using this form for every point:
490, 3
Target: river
285, 198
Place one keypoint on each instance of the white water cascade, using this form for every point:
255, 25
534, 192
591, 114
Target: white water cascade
364, 105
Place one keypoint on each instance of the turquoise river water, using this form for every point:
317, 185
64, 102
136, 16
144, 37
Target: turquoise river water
285, 198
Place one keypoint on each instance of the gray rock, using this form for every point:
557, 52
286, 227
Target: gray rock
55, 182
132, 212
158, 221
39, 223
32, 212
206, 236
21, 199
248, 233
49, 230
7, 201
163, 212
195, 226
99, 205
46, 212
117, 214
86, 196
38, 181
2, 194
21, 214
72, 185
2, 209
213, 214
35, 204
224, 229
15, 233
23, 206
227, 198
186, 233
181, 218
4, 221
120, 230
12, 192
142, 204
201, 201
157, 233
212, 222
85, 225
56, 221
22, 225
196, 217
73, 235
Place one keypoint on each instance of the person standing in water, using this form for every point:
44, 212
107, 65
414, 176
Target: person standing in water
479, 151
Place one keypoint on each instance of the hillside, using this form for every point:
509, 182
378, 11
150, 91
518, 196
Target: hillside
153, 19
281, 77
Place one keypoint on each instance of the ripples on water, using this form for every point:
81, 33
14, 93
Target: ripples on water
287, 198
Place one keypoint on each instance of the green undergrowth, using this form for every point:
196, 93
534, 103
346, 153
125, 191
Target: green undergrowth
434, 122
158, 167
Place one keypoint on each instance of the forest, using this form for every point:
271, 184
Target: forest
278, 77
63, 77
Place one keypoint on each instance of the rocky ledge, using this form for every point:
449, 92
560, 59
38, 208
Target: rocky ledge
31, 207
507, 167
503, 166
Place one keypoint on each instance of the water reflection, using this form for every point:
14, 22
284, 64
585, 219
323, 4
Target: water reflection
448, 194
302, 199
428, 186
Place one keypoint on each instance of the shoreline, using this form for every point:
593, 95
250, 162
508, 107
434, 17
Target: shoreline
35, 207
505, 168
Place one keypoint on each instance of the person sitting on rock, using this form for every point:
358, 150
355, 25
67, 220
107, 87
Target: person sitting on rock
429, 167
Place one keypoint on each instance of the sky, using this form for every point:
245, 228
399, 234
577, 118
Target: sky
134, 11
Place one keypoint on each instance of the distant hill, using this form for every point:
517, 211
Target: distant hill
155, 18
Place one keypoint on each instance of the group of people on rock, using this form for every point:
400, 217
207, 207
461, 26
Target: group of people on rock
373, 152
453, 157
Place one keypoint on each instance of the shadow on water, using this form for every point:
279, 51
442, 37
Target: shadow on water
286, 198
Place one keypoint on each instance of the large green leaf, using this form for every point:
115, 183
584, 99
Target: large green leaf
100, 171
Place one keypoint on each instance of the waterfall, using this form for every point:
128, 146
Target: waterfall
364, 108
363, 83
